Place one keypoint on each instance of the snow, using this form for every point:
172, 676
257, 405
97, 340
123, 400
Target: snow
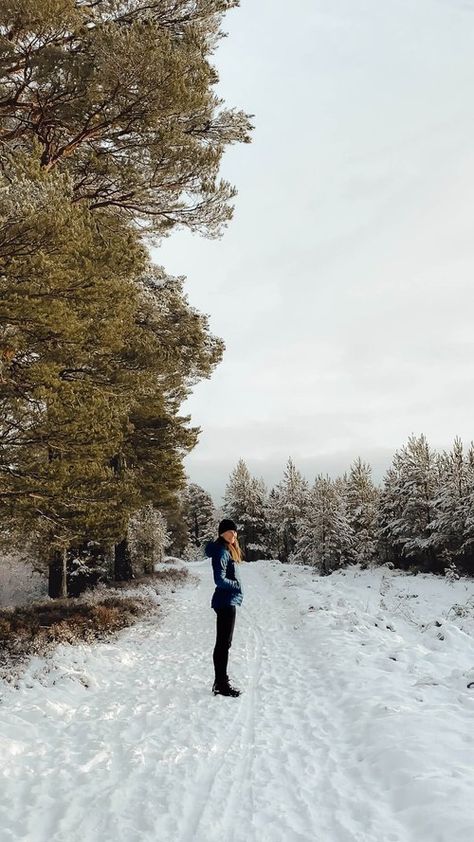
355, 724
20, 583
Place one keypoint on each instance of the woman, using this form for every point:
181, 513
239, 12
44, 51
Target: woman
227, 595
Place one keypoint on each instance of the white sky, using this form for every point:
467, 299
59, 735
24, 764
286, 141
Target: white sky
343, 287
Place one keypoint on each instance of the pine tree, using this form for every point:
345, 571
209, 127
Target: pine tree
325, 538
408, 505
121, 96
97, 356
448, 525
286, 507
177, 526
64, 388
200, 517
257, 538
148, 538
244, 502
271, 520
465, 557
362, 501
173, 349
87, 565
109, 107
389, 514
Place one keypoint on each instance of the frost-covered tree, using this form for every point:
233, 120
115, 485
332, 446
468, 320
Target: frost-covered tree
408, 505
257, 545
237, 493
200, 517
466, 550
244, 502
389, 512
448, 523
271, 520
287, 506
362, 505
148, 538
325, 538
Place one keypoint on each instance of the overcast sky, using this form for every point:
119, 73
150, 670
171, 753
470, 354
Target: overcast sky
344, 286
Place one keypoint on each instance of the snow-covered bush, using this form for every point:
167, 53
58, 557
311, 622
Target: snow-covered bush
148, 539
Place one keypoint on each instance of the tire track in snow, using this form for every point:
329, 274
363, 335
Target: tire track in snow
286, 733
242, 767
336, 804
217, 780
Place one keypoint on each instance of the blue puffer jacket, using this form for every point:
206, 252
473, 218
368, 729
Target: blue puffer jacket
228, 585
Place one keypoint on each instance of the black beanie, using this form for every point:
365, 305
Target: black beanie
227, 524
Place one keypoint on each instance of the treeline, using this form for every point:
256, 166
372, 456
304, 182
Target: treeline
421, 518
111, 135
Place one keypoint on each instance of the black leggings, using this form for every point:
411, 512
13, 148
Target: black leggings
224, 631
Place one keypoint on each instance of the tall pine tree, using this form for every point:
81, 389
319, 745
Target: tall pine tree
362, 501
121, 96
97, 356
325, 538
244, 502
65, 387
201, 519
287, 506
408, 506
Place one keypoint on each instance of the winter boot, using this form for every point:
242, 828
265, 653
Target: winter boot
225, 689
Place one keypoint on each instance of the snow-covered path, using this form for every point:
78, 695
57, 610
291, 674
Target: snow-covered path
353, 726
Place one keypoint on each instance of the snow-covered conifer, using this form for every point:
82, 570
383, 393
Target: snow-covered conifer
287, 506
448, 525
245, 502
389, 514
362, 500
201, 519
325, 538
407, 510
467, 547
147, 538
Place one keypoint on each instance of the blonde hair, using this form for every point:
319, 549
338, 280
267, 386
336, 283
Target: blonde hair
235, 551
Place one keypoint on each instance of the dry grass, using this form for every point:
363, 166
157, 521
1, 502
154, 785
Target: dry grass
35, 629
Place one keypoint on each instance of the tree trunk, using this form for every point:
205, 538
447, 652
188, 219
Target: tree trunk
123, 571
57, 582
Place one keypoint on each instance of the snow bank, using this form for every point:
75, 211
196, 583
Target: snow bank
404, 694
